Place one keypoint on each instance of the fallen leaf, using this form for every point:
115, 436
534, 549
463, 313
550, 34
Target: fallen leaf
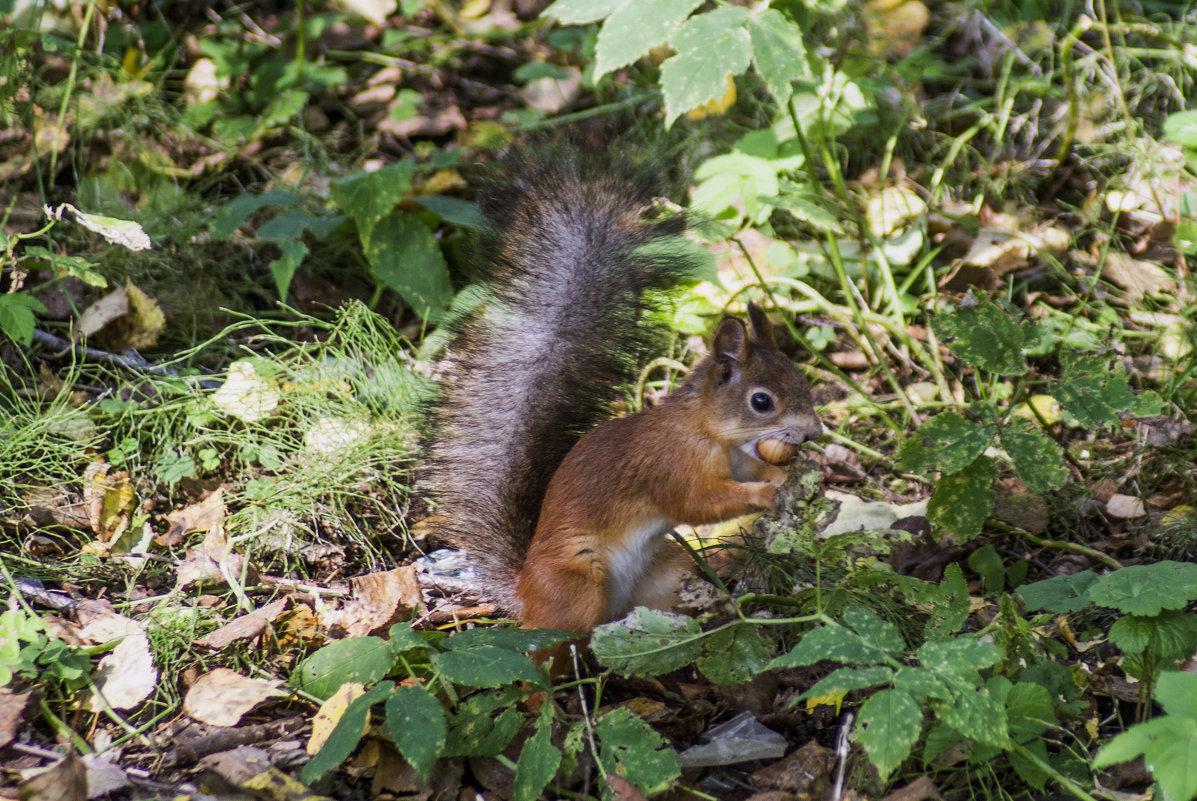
12, 714
245, 394
1125, 506
379, 599
103, 777
196, 517
1137, 277
65, 780
126, 676
222, 697
101, 312
246, 627
330, 712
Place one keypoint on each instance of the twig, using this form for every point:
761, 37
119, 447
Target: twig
131, 361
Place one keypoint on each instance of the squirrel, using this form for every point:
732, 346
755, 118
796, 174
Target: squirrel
563, 510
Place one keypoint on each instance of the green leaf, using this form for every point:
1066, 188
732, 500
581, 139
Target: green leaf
950, 607
1037, 459
368, 197
1168, 746
16, 316
832, 642
842, 681
778, 52
416, 722
404, 255
233, 215
1172, 634
485, 666
484, 724
362, 659
629, 748
961, 501
519, 640
283, 268
710, 47
1062, 594
647, 643
975, 714
402, 639
874, 632
1177, 693
1181, 128
1091, 391
636, 27
461, 213
345, 735
1029, 711
963, 657
1146, 404
921, 684
947, 443
1146, 589
983, 335
733, 655
582, 12
890, 723
538, 760
1028, 770
988, 565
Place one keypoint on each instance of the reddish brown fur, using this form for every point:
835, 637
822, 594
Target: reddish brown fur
685, 461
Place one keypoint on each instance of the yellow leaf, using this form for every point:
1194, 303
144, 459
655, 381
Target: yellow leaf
832, 699
717, 105
330, 712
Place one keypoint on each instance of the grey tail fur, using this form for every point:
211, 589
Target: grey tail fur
573, 247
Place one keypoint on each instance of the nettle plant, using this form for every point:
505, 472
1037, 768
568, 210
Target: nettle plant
963, 449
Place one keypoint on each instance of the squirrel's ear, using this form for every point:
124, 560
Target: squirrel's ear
762, 329
730, 343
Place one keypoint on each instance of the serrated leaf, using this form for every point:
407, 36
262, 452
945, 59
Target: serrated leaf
947, 443
1027, 769
950, 607
921, 684
16, 316
368, 197
1061, 594
1029, 711
975, 714
636, 27
1091, 391
1169, 748
365, 660
416, 722
582, 12
629, 748
962, 656
710, 47
983, 335
345, 735
733, 655
485, 666
647, 643
890, 724
1172, 634
842, 681
539, 759
1037, 459
1146, 589
961, 501
404, 255
832, 642
874, 632
1146, 404
484, 725
778, 52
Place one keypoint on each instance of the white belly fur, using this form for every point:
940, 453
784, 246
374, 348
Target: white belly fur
629, 562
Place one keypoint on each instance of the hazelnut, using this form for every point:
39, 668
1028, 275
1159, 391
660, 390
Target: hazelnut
776, 451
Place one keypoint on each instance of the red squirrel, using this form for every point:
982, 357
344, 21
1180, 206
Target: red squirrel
563, 511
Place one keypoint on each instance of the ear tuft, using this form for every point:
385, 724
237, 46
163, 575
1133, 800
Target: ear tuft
730, 342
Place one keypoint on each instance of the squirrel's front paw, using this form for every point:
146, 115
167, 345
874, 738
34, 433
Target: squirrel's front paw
763, 493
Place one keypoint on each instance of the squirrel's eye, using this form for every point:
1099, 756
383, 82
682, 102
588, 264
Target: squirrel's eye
761, 402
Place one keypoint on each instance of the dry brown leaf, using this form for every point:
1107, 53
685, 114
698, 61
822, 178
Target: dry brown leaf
65, 780
246, 627
12, 714
101, 313
1138, 278
196, 517
222, 697
1125, 506
379, 599
213, 563
126, 676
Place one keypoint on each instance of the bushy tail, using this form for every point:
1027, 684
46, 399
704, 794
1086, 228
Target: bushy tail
573, 246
